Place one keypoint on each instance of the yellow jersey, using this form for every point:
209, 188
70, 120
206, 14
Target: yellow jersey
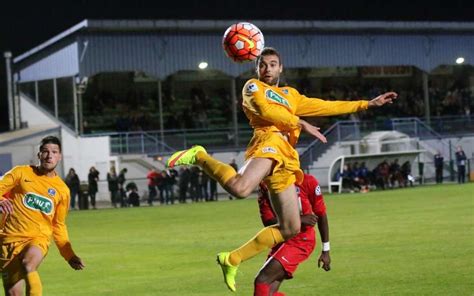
275, 108
40, 206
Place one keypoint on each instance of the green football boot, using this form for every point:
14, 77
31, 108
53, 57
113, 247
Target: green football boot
228, 270
184, 157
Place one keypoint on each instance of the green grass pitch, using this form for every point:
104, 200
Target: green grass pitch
417, 241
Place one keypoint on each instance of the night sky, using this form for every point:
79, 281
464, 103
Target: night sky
26, 24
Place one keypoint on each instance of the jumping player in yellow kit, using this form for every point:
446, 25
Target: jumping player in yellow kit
274, 112
35, 210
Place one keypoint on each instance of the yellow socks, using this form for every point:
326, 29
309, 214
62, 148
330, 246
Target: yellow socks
217, 170
33, 284
265, 239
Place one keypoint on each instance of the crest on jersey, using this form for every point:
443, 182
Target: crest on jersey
252, 87
285, 91
51, 192
273, 96
317, 190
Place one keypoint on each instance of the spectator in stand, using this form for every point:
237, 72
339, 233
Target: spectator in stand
363, 176
395, 174
151, 176
347, 177
381, 174
406, 173
439, 163
72, 181
93, 179
355, 176
112, 181
461, 163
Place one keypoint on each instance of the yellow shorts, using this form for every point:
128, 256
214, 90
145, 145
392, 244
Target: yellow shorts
11, 257
273, 145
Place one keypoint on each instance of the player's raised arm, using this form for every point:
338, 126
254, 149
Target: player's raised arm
318, 107
386, 98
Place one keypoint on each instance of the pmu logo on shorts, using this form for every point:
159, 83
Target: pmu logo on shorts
273, 96
269, 150
39, 203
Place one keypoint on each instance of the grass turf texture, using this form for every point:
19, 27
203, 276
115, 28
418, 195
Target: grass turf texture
417, 241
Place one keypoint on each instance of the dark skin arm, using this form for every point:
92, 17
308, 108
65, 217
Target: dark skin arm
323, 226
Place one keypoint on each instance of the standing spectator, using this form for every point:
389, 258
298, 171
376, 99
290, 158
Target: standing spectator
461, 163
168, 187
439, 162
173, 174
121, 181
112, 181
152, 177
183, 183
72, 181
160, 183
234, 165
213, 189
194, 184
93, 178
203, 181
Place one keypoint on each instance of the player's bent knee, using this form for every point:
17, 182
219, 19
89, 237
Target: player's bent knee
239, 189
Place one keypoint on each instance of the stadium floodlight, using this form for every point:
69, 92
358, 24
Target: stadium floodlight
203, 65
459, 60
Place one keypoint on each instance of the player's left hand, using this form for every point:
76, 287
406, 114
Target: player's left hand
76, 263
386, 98
325, 261
310, 219
312, 130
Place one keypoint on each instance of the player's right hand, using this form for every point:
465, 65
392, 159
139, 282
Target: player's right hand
76, 263
6, 206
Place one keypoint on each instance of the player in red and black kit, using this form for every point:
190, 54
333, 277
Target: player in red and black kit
284, 258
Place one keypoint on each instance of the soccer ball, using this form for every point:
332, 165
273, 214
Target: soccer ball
243, 42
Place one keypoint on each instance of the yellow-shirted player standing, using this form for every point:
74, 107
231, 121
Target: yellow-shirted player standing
35, 210
274, 112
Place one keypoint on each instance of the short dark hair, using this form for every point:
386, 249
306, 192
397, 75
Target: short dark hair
50, 140
268, 51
